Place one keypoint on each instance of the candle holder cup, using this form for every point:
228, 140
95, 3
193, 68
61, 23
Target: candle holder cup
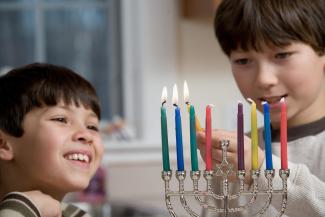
223, 171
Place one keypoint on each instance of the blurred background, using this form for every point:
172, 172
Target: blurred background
129, 50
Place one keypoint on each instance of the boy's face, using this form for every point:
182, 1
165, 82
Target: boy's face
60, 149
295, 72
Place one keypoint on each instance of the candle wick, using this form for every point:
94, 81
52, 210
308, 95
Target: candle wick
163, 103
187, 103
175, 105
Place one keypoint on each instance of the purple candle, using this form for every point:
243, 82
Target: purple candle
240, 137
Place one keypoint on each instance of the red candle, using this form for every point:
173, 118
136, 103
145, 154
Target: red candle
208, 132
283, 135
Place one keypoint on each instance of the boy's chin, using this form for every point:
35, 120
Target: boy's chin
77, 185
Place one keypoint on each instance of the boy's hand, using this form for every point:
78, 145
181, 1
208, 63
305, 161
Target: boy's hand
48, 206
217, 137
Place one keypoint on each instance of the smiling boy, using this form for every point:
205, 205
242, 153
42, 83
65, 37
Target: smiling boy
276, 50
49, 140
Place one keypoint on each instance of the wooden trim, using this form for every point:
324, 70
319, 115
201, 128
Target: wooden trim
198, 9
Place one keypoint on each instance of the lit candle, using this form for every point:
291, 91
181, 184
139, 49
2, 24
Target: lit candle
194, 160
178, 128
267, 136
208, 132
240, 137
283, 135
254, 135
187, 102
164, 132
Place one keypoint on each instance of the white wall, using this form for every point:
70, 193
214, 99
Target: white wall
207, 72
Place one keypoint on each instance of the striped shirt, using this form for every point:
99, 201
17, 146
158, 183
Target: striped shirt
18, 205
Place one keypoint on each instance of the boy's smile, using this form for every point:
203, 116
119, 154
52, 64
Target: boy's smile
295, 72
60, 149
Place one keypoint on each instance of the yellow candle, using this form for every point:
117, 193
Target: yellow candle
254, 135
197, 122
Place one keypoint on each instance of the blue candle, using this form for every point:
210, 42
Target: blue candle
267, 136
179, 140
178, 128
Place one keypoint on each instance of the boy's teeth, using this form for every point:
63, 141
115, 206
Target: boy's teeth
80, 157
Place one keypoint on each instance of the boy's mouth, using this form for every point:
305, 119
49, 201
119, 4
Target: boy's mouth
272, 99
81, 157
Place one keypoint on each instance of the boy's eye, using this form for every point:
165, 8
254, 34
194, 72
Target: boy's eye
60, 119
242, 61
93, 127
282, 55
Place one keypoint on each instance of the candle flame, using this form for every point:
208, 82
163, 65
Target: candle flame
186, 93
175, 95
164, 96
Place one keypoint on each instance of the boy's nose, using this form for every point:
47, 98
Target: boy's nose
82, 136
266, 76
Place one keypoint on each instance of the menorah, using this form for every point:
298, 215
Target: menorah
224, 170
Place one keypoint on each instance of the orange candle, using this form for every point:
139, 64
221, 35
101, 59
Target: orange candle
283, 135
208, 132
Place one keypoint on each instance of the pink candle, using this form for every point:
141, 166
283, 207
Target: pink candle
283, 135
208, 132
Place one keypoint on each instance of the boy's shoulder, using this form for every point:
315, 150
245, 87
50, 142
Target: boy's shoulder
70, 210
17, 204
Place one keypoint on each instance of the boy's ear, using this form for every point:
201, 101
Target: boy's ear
6, 150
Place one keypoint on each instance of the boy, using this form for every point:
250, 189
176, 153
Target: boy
276, 50
49, 140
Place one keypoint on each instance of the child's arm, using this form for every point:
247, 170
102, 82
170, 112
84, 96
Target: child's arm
32, 203
306, 193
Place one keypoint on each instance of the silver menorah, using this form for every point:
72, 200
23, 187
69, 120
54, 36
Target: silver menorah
224, 170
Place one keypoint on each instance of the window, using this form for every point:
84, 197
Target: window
82, 35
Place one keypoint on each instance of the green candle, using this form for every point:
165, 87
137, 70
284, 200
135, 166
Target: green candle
194, 160
164, 133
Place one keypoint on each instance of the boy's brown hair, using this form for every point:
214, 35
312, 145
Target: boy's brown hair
250, 24
37, 85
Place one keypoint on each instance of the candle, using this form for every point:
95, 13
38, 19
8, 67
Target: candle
178, 128
254, 135
187, 102
240, 137
164, 132
193, 128
267, 136
208, 132
194, 160
283, 135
